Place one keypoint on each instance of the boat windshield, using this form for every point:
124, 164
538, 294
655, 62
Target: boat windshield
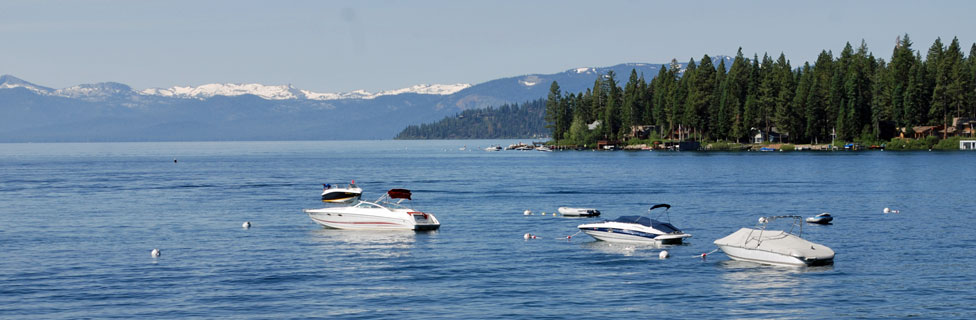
364, 204
331, 186
645, 221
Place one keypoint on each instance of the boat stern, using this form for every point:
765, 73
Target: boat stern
424, 221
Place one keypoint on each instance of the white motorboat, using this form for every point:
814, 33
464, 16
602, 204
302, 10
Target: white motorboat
775, 247
578, 212
543, 149
493, 148
341, 193
639, 229
823, 218
386, 213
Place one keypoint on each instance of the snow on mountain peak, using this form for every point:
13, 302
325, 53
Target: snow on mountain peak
9, 82
281, 92
227, 89
530, 81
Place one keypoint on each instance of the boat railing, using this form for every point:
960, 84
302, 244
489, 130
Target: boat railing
764, 221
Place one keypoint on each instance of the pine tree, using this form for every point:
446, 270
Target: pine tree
818, 123
784, 116
914, 101
972, 78
751, 113
611, 114
679, 97
932, 63
553, 111
734, 91
713, 127
902, 59
804, 85
881, 109
630, 113
942, 94
598, 100
660, 86
768, 93
958, 90
701, 88
646, 102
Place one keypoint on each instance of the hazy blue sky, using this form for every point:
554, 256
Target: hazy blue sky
332, 46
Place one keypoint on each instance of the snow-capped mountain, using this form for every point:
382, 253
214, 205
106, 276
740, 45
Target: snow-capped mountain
286, 92
96, 90
268, 92
9, 82
111, 111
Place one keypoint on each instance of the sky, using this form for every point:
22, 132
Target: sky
340, 46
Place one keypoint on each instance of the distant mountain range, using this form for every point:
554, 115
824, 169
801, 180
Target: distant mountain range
111, 111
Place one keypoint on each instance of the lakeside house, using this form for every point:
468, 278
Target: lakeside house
640, 132
774, 135
961, 127
967, 144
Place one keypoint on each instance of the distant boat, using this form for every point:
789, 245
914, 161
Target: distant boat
823, 218
493, 148
543, 149
579, 212
341, 193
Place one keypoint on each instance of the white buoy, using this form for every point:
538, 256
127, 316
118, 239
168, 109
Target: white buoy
886, 210
527, 236
664, 254
246, 225
527, 212
155, 253
543, 213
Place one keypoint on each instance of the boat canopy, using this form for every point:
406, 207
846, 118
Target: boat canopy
645, 221
399, 194
660, 205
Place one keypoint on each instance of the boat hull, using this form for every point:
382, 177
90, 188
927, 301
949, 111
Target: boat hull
578, 212
632, 236
341, 197
817, 220
379, 220
772, 258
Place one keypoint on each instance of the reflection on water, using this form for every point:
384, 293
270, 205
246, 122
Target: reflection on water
626, 249
749, 284
380, 243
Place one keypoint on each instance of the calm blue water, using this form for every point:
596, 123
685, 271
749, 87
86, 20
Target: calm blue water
77, 223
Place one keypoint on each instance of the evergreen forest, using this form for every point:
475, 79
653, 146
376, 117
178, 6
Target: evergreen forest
853, 96
507, 121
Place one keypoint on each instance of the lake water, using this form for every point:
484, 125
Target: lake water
78, 221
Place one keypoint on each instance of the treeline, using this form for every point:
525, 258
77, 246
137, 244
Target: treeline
506, 121
856, 96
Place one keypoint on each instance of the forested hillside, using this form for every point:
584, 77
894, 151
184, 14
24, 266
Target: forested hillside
506, 121
853, 95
